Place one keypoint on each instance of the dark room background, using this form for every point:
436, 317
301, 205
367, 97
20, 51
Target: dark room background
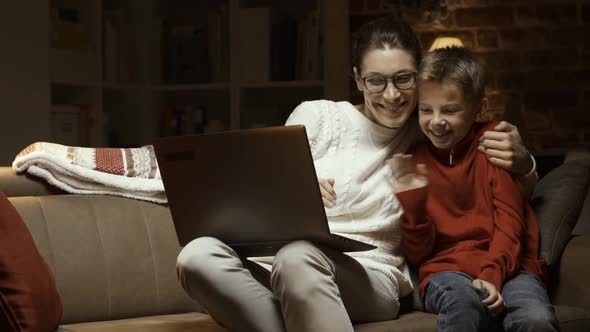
122, 72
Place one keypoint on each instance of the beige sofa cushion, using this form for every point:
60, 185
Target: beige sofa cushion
178, 323
113, 258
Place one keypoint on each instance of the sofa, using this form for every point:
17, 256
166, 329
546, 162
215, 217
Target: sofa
114, 263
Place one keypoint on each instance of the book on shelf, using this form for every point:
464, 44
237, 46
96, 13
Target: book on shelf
67, 31
252, 44
110, 36
70, 125
186, 52
187, 120
283, 49
214, 126
218, 43
308, 56
118, 48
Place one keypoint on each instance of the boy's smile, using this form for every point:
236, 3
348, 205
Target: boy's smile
445, 116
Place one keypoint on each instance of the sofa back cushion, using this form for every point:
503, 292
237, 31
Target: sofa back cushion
558, 200
583, 224
113, 257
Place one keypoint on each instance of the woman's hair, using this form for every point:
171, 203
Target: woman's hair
385, 32
455, 65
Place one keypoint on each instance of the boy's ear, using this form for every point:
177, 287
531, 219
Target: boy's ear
484, 106
357, 79
483, 109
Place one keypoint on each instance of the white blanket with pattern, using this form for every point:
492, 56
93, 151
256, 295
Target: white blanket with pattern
131, 172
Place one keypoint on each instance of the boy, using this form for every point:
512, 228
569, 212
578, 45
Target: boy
466, 223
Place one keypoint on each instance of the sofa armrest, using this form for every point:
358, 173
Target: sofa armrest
573, 288
15, 185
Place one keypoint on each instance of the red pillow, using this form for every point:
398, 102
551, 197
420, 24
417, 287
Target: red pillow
29, 300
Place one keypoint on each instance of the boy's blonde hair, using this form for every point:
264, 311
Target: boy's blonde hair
456, 65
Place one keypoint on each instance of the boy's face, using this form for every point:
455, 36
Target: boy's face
444, 115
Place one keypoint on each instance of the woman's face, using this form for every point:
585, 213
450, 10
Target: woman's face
393, 106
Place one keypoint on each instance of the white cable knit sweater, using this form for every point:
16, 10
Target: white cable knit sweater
351, 149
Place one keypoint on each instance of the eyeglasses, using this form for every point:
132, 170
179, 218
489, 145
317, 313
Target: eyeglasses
378, 83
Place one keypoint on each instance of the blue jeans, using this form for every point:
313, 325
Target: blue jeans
459, 305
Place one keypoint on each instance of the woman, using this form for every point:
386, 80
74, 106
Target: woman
311, 288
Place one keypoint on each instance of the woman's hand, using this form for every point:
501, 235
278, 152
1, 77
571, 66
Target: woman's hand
406, 174
328, 193
504, 148
494, 301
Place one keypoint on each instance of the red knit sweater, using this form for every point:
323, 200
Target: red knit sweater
472, 217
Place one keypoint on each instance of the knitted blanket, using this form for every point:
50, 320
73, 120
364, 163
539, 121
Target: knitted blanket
129, 172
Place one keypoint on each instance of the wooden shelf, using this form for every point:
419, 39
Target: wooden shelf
120, 86
375, 12
125, 77
74, 66
115, 59
283, 84
86, 84
191, 87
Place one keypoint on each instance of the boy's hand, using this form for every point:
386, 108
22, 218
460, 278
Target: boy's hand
406, 174
328, 193
494, 301
504, 148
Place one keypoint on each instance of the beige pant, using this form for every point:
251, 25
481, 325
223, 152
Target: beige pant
309, 289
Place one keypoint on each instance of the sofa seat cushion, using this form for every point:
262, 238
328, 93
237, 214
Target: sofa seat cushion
414, 321
572, 319
188, 322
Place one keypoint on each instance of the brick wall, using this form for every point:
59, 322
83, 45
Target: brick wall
537, 54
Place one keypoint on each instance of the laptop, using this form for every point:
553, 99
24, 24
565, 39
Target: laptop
255, 189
